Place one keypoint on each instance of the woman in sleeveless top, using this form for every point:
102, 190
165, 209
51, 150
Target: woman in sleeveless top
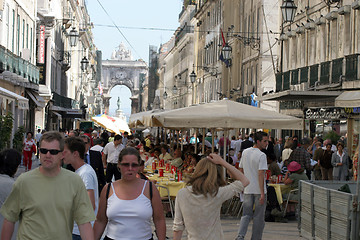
129, 207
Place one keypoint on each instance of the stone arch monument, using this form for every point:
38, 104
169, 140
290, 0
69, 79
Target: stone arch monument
122, 70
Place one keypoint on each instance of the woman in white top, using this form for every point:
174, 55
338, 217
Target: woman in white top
287, 150
197, 207
129, 207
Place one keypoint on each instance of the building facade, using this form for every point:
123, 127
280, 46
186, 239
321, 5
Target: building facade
19, 77
319, 60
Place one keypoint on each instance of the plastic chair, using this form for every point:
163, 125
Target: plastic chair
166, 199
292, 192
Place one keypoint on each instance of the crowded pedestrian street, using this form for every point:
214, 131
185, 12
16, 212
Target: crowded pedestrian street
179, 119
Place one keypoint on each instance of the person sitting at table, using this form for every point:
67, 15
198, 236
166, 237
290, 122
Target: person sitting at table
197, 206
272, 163
164, 153
294, 174
177, 161
128, 204
194, 159
141, 173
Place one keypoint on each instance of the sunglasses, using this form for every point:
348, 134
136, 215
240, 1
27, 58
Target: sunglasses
133, 165
52, 151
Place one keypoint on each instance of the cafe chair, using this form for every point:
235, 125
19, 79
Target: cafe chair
289, 201
166, 199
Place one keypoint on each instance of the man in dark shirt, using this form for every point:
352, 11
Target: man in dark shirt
301, 155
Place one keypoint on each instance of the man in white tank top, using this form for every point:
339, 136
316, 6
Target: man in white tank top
74, 152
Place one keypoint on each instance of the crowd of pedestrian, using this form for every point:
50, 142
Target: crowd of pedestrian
106, 186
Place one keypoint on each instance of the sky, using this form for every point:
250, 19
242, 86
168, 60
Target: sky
133, 18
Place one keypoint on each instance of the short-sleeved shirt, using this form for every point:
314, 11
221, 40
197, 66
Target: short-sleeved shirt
200, 215
253, 160
28, 144
112, 152
167, 157
88, 175
48, 206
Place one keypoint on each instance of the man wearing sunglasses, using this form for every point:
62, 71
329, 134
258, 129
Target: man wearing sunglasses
48, 199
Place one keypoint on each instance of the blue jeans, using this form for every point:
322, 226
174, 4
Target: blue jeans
76, 237
258, 217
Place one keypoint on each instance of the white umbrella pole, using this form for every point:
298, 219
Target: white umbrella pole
196, 134
182, 141
225, 134
203, 141
212, 140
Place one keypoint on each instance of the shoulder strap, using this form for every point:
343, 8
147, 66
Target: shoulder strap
108, 190
151, 190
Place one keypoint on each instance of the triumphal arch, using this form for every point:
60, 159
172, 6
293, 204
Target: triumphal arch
122, 70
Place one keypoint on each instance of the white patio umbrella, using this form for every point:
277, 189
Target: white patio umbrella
226, 114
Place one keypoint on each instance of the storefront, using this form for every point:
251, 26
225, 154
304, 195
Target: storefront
350, 102
15, 104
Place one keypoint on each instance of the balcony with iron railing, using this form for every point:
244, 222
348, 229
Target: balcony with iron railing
62, 101
182, 32
352, 65
14, 64
324, 74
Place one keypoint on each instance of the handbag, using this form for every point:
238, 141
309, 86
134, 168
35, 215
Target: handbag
33, 148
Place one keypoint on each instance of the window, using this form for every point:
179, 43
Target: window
27, 36
31, 43
23, 34
13, 33
18, 35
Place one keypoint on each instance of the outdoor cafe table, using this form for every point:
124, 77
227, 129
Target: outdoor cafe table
280, 188
166, 181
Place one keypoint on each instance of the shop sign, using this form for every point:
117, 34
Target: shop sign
324, 113
355, 110
41, 56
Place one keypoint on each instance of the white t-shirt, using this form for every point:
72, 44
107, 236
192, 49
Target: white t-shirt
38, 137
252, 161
112, 152
88, 175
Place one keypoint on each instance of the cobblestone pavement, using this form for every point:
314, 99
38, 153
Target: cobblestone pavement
230, 225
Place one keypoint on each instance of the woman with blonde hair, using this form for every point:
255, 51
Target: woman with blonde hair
287, 149
197, 207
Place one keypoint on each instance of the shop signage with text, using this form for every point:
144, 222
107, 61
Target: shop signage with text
324, 113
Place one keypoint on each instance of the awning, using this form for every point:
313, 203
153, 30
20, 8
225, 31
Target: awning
57, 114
348, 99
22, 103
291, 95
36, 98
67, 112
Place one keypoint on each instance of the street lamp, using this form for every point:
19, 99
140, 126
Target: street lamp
192, 76
288, 10
74, 37
175, 90
226, 51
84, 64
